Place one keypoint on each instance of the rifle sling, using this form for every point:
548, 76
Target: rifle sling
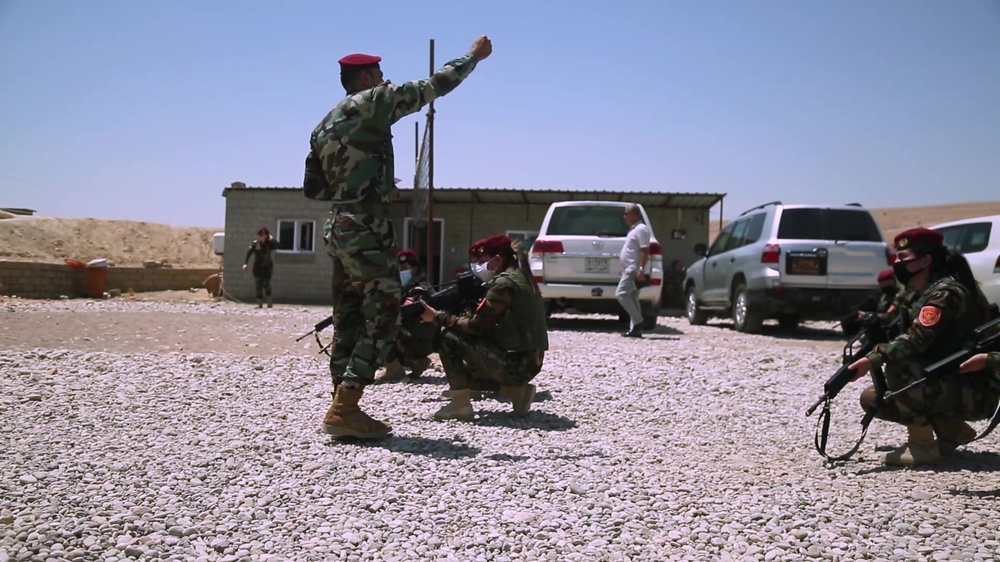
823, 433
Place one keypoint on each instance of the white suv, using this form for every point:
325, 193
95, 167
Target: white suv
978, 240
575, 259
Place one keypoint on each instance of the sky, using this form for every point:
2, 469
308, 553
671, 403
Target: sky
122, 109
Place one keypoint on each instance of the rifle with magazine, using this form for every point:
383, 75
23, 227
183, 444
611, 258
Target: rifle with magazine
984, 339
872, 334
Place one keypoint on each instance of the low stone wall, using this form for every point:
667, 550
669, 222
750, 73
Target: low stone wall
50, 280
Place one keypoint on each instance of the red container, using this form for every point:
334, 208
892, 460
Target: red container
97, 279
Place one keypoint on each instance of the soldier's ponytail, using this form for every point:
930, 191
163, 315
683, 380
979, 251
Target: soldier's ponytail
524, 265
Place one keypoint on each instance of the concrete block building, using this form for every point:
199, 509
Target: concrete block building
302, 270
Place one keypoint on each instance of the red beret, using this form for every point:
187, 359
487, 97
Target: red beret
918, 237
358, 60
886, 275
407, 256
491, 246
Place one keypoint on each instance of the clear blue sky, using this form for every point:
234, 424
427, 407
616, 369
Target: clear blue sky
146, 110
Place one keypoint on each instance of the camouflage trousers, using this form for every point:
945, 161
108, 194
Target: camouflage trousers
414, 341
471, 362
262, 281
969, 397
366, 291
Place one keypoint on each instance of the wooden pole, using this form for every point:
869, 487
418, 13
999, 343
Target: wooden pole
431, 273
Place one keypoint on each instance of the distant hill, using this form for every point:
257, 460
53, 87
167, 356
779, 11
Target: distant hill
893, 220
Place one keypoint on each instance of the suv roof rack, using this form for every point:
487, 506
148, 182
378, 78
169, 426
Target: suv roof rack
853, 205
761, 207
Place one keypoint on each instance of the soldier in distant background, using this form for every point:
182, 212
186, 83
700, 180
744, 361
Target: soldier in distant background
262, 249
415, 340
351, 164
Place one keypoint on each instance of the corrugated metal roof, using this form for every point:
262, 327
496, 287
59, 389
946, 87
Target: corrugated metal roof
487, 196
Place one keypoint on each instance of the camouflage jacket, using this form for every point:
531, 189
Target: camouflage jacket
353, 143
993, 360
500, 293
936, 322
262, 253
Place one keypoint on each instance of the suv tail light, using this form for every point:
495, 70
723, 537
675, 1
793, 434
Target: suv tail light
771, 254
890, 256
655, 249
547, 247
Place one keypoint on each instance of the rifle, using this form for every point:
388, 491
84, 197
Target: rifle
464, 290
984, 339
319, 327
870, 336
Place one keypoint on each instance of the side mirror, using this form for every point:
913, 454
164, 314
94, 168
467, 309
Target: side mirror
700, 249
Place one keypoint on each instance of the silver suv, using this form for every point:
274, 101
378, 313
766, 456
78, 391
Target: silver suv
789, 262
575, 259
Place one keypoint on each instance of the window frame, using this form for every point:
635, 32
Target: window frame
297, 238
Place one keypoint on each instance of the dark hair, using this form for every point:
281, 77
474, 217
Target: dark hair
953, 263
263, 230
520, 257
349, 75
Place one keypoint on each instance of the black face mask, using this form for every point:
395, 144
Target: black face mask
902, 274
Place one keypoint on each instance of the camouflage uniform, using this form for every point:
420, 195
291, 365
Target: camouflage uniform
416, 339
993, 360
503, 341
263, 265
939, 320
353, 144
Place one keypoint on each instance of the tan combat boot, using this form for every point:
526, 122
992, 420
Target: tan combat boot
460, 407
952, 433
392, 373
521, 397
345, 418
920, 449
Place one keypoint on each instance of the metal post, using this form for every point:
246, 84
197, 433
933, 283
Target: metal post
431, 274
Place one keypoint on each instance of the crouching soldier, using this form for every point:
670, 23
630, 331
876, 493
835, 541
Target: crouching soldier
416, 339
503, 341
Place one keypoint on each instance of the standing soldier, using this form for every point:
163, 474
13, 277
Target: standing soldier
941, 308
262, 250
351, 164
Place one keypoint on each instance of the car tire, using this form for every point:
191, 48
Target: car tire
695, 315
745, 318
788, 321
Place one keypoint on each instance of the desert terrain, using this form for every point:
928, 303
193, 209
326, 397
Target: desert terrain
130, 243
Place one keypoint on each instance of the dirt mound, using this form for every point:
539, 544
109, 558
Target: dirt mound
123, 243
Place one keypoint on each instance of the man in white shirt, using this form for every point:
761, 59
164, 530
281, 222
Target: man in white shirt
634, 257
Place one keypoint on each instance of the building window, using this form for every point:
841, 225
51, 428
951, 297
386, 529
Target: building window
296, 236
527, 237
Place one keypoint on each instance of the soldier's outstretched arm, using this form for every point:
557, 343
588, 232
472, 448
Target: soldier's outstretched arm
935, 318
395, 101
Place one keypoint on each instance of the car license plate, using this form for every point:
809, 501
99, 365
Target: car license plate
805, 266
598, 265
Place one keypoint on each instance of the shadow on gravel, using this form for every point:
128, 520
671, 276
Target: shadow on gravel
982, 494
958, 462
504, 457
534, 420
437, 448
813, 333
610, 325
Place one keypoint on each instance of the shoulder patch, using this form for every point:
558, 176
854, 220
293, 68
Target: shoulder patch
929, 316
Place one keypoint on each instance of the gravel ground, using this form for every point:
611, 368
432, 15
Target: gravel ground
150, 430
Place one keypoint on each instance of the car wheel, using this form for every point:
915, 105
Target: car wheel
788, 321
695, 315
745, 319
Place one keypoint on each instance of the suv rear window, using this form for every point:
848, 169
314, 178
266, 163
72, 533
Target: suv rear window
588, 220
828, 224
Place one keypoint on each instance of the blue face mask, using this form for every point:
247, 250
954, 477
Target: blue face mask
405, 276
